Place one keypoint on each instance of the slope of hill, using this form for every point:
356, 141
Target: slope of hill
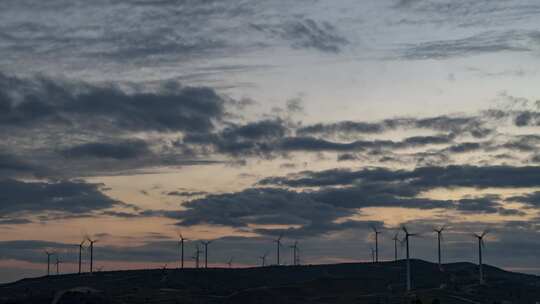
339, 283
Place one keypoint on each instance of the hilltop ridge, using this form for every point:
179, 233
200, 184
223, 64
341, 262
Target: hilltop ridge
331, 283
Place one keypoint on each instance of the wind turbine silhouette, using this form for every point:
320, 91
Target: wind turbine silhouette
181, 240
376, 232
206, 243
81, 244
295, 253
278, 245
396, 239
407, 236
196, 255
49, 254
230, 262
480, 238
91, 253
439, 238
372, 254
57, 265
263, 259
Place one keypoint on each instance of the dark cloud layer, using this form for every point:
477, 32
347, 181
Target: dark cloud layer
13, 166
172, 108
274, 137
68, 125
87, 121
316, 211
425, 177
120, 150
70, 197
454, 125
259, 206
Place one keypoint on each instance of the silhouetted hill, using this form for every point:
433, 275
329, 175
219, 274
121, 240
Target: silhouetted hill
338, 283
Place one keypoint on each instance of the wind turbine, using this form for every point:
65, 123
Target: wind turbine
480, 238
91, 253
57, 263
278, 245
181, 240
263, 259
376, 232
196, 255
206, 243
230, 262
396, 239
407, 236
295, 253
439, 238
81, 244
49, 254
372, 255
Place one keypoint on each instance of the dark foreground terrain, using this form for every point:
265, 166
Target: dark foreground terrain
341, 283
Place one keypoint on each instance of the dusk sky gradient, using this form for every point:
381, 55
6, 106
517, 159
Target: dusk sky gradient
237, 121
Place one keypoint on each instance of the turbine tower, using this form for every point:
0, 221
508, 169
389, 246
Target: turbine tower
376, 233
263, 259
480, 238
396, 239
81, 244
206, 243
49, 254
181, 240
278, 245
295, 253
57, 263
439, 238
91, 241
407, 236
230, 262
197, 255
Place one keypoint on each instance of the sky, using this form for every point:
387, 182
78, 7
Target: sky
133, 121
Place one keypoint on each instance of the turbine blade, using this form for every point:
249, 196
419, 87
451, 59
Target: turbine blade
484, 233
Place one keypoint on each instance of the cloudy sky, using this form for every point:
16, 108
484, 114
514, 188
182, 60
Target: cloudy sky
237, 121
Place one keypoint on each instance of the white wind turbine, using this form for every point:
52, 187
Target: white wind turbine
196, 256
263, 259
480, 238
205, 244
57, 263
439, 232
278, 245
81, 245
295, 253
376, 233
395, 239
407, 236
49, 254
181, 240
91, 241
